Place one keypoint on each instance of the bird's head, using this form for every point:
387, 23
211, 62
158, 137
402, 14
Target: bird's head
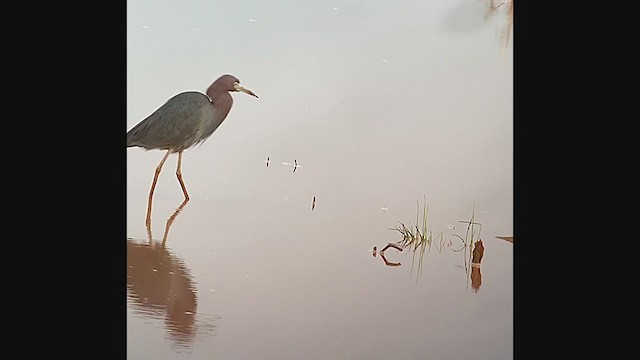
231, 83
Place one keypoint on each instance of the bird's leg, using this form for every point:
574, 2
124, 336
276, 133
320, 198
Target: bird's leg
179, 175
186, 200
153, 187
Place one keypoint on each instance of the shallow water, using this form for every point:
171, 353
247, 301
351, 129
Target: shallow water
383, 107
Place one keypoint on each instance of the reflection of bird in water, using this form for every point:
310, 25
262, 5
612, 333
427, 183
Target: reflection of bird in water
160, 286
170, 221
183, 121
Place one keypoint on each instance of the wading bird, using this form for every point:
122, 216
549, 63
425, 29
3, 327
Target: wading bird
183, 121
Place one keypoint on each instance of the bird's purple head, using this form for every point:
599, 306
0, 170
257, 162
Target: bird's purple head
228, 83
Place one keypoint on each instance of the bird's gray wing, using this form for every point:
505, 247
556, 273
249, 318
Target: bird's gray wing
175, 125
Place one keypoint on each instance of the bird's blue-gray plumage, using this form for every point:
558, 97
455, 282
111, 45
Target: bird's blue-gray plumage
183, 121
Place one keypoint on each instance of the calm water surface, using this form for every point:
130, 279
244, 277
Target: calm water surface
382, 106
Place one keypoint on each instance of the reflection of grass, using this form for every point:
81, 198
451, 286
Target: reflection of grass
469, 241
419, 237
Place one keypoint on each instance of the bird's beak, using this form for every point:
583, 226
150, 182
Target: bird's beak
244, 89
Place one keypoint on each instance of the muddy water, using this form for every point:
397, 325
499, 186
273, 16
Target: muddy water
384, 109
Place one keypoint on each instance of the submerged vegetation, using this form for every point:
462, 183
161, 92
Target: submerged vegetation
419, 238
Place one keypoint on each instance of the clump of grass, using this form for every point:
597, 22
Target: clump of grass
419, 237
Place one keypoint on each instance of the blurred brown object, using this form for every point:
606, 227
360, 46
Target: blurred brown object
478, 252
476, 275
506, 238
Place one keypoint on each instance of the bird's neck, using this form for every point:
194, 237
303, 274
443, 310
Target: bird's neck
221, 99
